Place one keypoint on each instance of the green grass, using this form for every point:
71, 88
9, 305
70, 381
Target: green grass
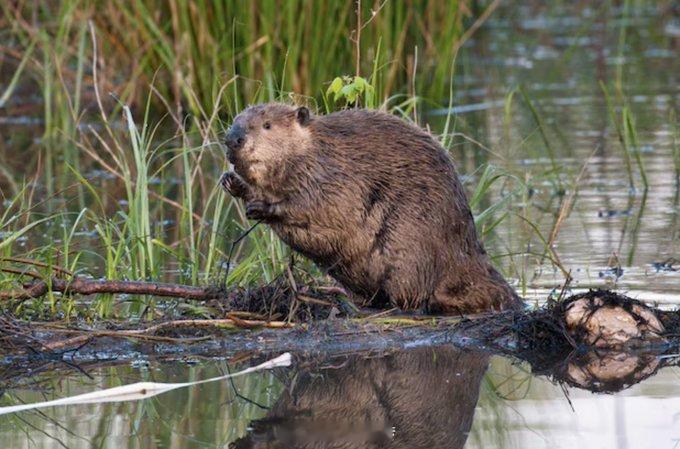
138, 92
192, 48
157, 213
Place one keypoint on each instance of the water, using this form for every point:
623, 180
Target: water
559, 56
424, 397
442, 397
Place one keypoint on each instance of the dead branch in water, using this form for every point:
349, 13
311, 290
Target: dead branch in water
82, 286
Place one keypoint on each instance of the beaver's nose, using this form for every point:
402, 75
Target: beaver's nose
235, 138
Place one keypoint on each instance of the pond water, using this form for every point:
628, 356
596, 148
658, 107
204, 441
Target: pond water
423, 397
615, 236
558, 56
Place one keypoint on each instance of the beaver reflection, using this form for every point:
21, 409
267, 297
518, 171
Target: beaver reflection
419, 398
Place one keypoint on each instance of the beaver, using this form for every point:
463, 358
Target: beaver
369, 402
370, 198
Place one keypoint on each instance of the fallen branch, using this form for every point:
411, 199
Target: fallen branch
94, 286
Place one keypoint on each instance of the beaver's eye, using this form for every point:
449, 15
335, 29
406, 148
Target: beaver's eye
267, 125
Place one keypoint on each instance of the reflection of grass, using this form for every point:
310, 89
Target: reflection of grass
503, 383
211, 413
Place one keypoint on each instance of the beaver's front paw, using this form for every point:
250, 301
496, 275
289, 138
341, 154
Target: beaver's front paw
261, 210
232, 183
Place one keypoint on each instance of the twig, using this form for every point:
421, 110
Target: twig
565, 286
231, 251
95, 286
331, 289
358, 40
36, 263
149, 332
478, 23
312, 300
381, 314
21, 272
566, 207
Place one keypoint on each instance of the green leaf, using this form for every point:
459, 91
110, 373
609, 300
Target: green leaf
335, 87
349, 93
9, 239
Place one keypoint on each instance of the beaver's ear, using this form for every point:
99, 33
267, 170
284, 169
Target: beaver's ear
302, 116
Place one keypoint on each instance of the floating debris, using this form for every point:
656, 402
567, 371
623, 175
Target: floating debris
614, 213
667, 265
611, 272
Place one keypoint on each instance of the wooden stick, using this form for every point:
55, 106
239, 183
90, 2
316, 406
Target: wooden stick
95, 286
36, 263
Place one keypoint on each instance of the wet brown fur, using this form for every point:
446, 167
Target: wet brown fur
374, 200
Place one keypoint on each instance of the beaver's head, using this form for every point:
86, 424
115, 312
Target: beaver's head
262, 136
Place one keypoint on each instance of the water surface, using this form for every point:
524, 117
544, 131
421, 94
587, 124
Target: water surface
421, 397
